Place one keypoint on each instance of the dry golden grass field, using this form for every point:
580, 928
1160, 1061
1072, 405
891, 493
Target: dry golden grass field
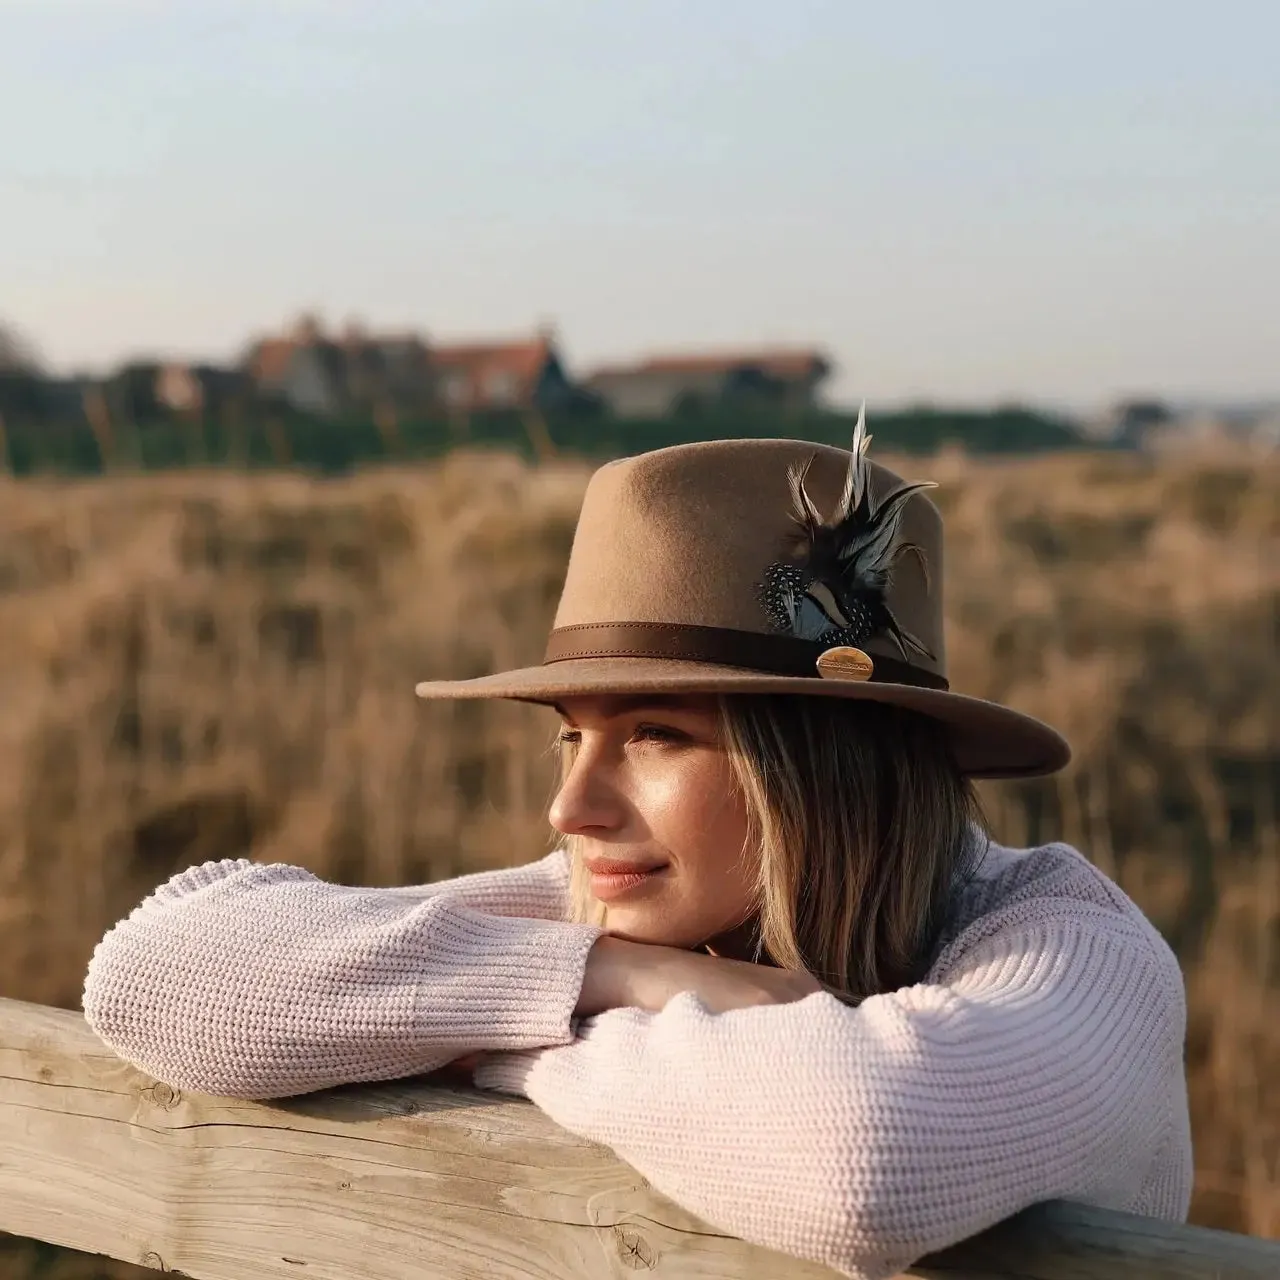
202, 665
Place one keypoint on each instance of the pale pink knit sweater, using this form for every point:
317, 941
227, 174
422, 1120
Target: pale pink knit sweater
1041, 1058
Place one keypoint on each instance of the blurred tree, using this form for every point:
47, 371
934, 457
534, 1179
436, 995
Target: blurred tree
17, 355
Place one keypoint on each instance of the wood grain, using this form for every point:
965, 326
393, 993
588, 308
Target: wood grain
417, 1180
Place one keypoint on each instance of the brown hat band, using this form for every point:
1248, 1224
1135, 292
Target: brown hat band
724, 646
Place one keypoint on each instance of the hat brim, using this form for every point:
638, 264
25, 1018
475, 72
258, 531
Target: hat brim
989, 740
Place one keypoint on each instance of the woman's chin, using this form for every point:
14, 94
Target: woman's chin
634, 925
653, 927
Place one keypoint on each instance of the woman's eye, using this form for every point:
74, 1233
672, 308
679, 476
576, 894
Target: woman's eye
569, 737
658, 733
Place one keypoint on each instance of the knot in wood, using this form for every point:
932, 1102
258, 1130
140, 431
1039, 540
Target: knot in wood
163, 1096
636, 1252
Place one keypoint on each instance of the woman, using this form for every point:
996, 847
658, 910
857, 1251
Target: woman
777, 966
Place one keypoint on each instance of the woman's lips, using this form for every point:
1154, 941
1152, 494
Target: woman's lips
610, 880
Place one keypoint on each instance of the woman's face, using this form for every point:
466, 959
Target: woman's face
649, 793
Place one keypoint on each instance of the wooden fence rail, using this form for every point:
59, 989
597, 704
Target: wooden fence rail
415, 1181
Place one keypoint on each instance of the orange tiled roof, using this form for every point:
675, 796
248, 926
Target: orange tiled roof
782, 363
477, 362
525, 359
401, 338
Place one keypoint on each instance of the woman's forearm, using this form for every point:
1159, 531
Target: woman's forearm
621, 974
262, 981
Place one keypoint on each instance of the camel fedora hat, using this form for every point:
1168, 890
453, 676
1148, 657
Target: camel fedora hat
767, 567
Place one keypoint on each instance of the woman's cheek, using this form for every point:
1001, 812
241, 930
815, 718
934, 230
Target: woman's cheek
667, 800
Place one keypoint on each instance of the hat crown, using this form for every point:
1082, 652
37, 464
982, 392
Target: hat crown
685, 536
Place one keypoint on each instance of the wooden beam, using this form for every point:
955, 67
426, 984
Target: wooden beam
418, 1181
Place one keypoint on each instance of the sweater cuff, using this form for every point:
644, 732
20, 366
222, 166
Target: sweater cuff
504, 982
506, 1072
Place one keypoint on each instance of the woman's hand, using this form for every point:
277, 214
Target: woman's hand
459, 1070
622, 974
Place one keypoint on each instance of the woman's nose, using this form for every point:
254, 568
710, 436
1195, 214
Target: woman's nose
588, 801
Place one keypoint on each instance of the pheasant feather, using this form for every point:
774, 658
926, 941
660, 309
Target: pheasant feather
834, 589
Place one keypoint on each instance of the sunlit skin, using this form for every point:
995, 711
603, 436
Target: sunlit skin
647, 784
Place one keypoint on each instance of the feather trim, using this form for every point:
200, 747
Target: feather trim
834, 590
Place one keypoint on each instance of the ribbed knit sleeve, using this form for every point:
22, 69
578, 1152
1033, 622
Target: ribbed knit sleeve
262, 981
1045, 1063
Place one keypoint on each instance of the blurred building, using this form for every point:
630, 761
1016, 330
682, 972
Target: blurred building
357, 372
334, 375
489, 376
666, 385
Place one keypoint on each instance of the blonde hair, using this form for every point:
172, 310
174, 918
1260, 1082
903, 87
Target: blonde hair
864, 826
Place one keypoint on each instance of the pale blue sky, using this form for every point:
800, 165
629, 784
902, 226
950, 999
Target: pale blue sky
1060, 202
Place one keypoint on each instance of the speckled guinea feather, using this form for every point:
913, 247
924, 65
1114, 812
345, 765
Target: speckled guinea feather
834, 589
